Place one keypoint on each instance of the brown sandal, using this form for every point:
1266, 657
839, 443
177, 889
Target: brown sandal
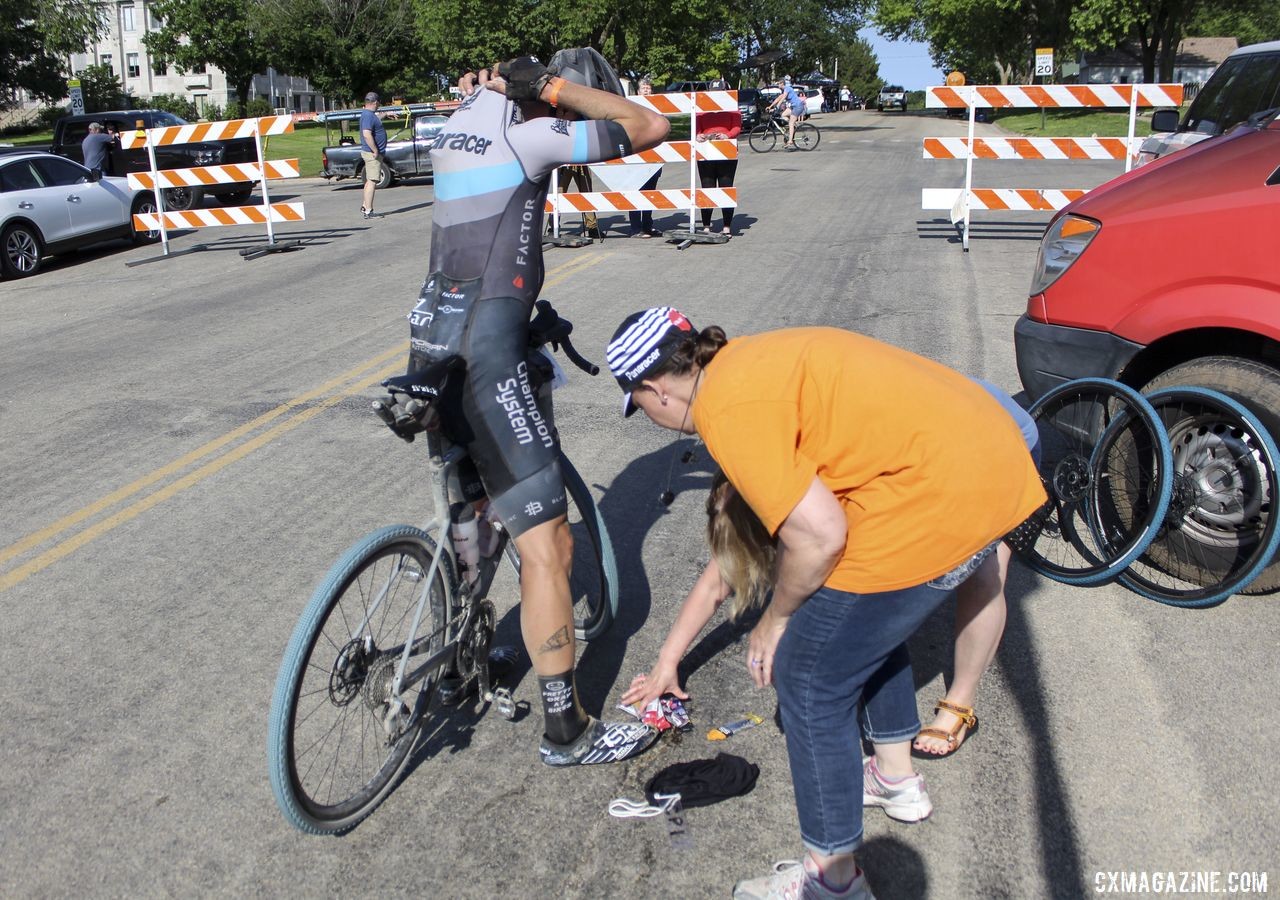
968, 721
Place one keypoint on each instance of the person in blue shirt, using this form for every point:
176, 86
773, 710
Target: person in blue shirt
792, 107
96, 146
373, 147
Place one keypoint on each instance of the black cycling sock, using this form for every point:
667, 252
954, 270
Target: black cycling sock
562, 714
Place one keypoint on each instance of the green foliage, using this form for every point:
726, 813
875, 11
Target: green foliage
179, 106
859, 67
251, 110
103, 90
233, 35
1250, 23
34, 41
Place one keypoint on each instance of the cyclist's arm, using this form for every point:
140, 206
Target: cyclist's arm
644, 127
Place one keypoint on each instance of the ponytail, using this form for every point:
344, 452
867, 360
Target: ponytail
697, 350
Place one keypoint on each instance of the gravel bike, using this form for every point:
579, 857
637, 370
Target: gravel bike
764, 137
394, 615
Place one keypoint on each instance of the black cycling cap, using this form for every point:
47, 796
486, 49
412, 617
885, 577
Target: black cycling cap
642, 343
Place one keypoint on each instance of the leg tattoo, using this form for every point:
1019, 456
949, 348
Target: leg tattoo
558, 640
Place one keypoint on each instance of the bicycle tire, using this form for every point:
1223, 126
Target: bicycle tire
593, 580
762, 138
807, 136
337, 672
1221, 530
1107, 469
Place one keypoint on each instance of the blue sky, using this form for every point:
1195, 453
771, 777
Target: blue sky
904, 62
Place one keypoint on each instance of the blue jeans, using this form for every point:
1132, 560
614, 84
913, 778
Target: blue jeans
842, 672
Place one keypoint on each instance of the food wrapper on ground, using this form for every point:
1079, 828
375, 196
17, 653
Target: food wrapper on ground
663, 713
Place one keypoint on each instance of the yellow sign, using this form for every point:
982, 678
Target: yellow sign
955, 79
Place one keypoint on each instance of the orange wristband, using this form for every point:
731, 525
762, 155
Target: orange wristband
556, 84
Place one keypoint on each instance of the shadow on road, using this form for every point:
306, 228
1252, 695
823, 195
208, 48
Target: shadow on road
899, 869
942, 229
931, 654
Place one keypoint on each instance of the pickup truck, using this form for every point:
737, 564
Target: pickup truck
410, 133
69, 131
892, 96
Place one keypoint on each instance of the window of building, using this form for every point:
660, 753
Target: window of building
126, 19
157, 21
159, 67
105, 60
199, 70
131, 63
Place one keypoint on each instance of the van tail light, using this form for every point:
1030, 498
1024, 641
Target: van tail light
1061, 246
324, 161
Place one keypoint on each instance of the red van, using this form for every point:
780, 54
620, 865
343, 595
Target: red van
1168, 275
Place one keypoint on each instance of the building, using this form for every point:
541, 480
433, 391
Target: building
1194, 63
121, 47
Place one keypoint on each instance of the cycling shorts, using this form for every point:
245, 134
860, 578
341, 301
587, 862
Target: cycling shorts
502, 413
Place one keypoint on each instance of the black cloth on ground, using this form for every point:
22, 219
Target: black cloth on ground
701, 782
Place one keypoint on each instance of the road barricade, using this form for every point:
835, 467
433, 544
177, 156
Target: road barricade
664, 200
265, 213
962, 201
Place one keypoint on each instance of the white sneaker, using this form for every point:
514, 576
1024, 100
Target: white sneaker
905, 800
795, 880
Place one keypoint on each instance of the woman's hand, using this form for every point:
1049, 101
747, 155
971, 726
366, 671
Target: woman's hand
647, 688
763, 646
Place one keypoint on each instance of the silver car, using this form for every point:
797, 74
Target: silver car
50, 205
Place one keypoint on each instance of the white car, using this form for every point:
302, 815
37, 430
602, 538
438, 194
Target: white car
50, 205
813, 99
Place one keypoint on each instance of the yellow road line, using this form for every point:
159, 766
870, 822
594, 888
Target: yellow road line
44, 560
133, 510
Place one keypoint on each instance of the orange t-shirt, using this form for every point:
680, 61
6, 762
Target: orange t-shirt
927, 466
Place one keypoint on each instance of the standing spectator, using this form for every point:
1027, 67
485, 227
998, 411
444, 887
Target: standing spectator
373, 147
886, 479
642, 220
846, 98
721, 125
96, 146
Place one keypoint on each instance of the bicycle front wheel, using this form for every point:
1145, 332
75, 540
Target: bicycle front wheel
1221, 529
593, 580
338, 736
1106, 466
807, 136
762, 138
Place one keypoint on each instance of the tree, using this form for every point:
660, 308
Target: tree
102, 89
347, 47
35, 41
987, 40
233, 35
859, 67
1251, 23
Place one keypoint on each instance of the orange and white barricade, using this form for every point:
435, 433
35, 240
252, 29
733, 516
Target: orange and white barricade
265, 213
691, 151
962, 201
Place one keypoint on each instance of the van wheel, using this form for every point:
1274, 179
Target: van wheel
1257, 387
386, 177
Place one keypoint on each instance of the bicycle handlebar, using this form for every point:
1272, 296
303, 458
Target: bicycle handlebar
549, 327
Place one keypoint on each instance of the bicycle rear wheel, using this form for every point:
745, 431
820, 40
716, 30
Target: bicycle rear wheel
1106, 466
336, 740
1221, 529
762, 138
593, 580
807, 136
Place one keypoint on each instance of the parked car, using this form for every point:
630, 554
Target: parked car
1246, 84
1164, 277
892, 96
50, 205
410, 133
814, 101
69, 131
749, 104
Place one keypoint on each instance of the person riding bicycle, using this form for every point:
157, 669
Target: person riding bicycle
792, 106
493, 161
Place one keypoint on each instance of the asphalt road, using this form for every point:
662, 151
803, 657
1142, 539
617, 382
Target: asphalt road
186, 448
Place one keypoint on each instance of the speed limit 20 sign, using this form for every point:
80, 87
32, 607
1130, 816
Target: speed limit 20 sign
1044, 61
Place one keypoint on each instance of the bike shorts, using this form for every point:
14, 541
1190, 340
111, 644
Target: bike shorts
502, 411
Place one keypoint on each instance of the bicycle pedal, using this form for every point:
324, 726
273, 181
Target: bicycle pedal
504, 703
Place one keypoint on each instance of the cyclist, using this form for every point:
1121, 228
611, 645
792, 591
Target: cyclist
792, 106
492, 163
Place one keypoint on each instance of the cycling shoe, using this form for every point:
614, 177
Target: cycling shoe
600, 742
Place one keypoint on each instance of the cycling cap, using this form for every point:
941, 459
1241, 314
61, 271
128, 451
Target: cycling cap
585, 66
642, 343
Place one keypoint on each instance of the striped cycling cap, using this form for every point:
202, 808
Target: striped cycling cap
642, 343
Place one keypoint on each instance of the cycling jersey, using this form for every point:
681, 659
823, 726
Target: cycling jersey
492, 170
793, 99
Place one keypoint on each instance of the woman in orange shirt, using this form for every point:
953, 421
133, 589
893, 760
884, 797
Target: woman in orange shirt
886, 479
